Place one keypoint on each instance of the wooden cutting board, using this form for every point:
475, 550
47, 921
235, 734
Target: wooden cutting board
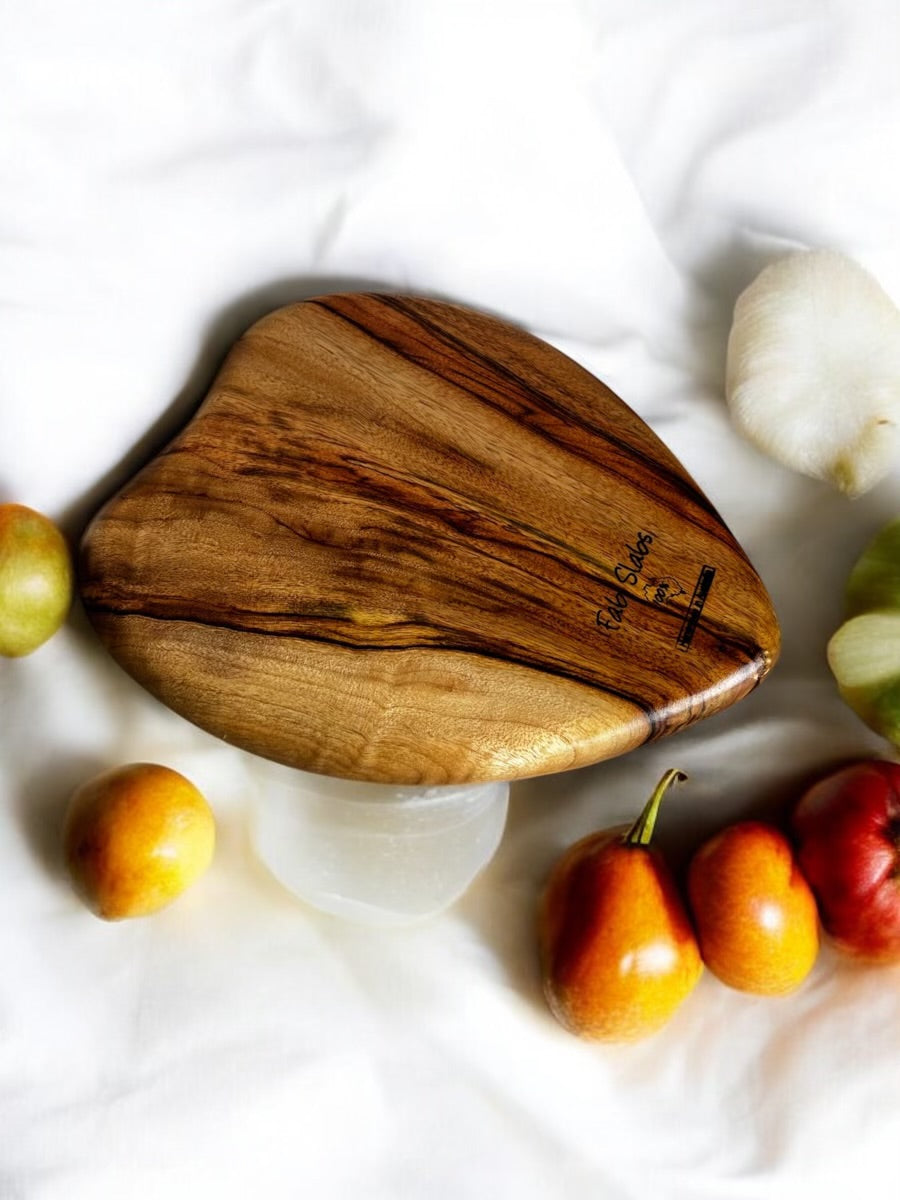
406, 542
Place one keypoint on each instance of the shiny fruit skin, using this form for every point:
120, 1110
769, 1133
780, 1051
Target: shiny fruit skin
847, 828
35, 580
135, 838
618, 952
754, 912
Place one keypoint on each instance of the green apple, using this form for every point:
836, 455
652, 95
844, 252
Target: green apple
864, 653
874, 582
35, 580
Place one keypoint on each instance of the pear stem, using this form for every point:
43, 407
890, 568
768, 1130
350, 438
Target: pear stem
642, 830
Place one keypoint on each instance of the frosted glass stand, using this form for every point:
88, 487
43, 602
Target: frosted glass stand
373, 853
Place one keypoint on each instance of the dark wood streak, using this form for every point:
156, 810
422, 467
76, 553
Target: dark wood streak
428, 501
532, 540
673, 480
481, 394
236, 623
379, 547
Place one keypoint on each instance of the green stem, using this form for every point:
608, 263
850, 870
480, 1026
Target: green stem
642, 830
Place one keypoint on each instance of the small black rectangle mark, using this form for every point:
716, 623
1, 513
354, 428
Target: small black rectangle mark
695, 608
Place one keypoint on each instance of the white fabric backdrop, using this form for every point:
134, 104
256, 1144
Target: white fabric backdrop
610, 175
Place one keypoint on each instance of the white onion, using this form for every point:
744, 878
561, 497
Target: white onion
813, 370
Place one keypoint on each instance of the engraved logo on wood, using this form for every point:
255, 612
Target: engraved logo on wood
695, 608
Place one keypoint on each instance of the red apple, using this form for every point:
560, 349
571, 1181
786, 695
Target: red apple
848, 838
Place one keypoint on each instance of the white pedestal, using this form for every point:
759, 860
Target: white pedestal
372, 853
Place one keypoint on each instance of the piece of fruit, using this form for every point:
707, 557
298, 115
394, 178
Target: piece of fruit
754, 912
864, 653
847, 827
35, 579
135, 837
617, 949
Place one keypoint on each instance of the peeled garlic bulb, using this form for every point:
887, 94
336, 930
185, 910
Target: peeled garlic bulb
813, 371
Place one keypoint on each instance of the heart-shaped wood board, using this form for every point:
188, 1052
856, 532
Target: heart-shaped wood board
406, 542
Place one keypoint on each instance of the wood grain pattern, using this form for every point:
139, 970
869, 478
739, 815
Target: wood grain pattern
406, 542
